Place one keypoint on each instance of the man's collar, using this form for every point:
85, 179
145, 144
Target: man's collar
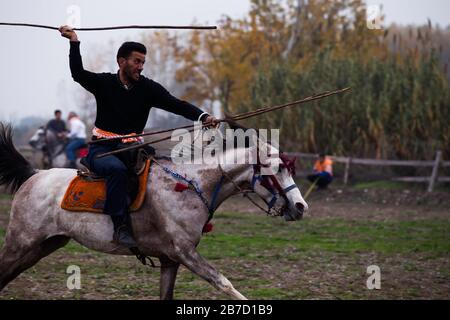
126, 87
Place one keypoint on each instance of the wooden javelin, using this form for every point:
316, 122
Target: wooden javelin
108, 28
241, 116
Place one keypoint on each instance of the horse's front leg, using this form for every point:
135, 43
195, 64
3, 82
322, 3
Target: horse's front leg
198, 265
169, 271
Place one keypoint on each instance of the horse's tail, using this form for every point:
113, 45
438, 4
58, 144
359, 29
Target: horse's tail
14, 168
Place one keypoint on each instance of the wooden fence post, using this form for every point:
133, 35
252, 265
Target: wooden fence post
434, 173
347, 170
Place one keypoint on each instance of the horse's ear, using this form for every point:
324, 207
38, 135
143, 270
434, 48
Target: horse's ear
292, 165
288, 163
292, 162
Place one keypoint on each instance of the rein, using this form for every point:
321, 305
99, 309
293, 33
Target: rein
245, 192
270, 183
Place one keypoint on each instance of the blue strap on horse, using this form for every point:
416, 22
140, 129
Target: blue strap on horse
274, 199
191, 182
214, 197
291, 187
198, 190
254, 179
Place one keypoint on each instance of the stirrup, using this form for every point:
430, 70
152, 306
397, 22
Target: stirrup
141, 257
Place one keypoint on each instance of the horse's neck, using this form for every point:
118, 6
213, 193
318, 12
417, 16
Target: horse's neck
230, 178
234, 178
218, 183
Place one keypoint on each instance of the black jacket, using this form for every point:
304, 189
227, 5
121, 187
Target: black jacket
125, 111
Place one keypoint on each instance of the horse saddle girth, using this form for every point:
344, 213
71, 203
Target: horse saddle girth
87, 192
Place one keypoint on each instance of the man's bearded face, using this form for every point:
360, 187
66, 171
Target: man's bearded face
134, 65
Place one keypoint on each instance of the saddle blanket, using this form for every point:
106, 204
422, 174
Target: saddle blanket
89, 195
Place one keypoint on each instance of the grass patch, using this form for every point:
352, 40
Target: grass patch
256, 237
74, 247
2, 236
268, 258
5, 196
385, 184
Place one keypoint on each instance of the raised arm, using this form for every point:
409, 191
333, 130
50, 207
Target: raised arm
86, 79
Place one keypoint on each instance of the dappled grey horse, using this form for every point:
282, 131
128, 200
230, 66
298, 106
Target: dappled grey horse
168, 226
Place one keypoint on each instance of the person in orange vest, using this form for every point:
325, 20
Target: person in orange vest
323, 171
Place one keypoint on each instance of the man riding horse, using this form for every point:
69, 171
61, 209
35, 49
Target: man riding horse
57, 125
123, 102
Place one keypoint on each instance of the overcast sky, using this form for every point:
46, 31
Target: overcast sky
35, 77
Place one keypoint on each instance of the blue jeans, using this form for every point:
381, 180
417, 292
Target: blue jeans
116, 175
324, 177
72, 146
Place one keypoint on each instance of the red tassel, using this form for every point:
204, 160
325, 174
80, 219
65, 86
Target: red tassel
83, 152
180, 187
207, 228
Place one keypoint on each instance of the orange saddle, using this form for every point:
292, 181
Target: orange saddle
88, 194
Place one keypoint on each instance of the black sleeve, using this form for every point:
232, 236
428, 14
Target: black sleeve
162, 99
86, 79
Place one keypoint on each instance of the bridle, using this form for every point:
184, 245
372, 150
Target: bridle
270, 183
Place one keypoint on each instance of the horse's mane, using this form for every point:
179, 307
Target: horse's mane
163, 149
287, 162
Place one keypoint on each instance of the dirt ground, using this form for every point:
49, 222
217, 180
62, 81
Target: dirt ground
366, 204
279, 270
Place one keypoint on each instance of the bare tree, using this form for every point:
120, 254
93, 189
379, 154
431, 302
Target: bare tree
296, 29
